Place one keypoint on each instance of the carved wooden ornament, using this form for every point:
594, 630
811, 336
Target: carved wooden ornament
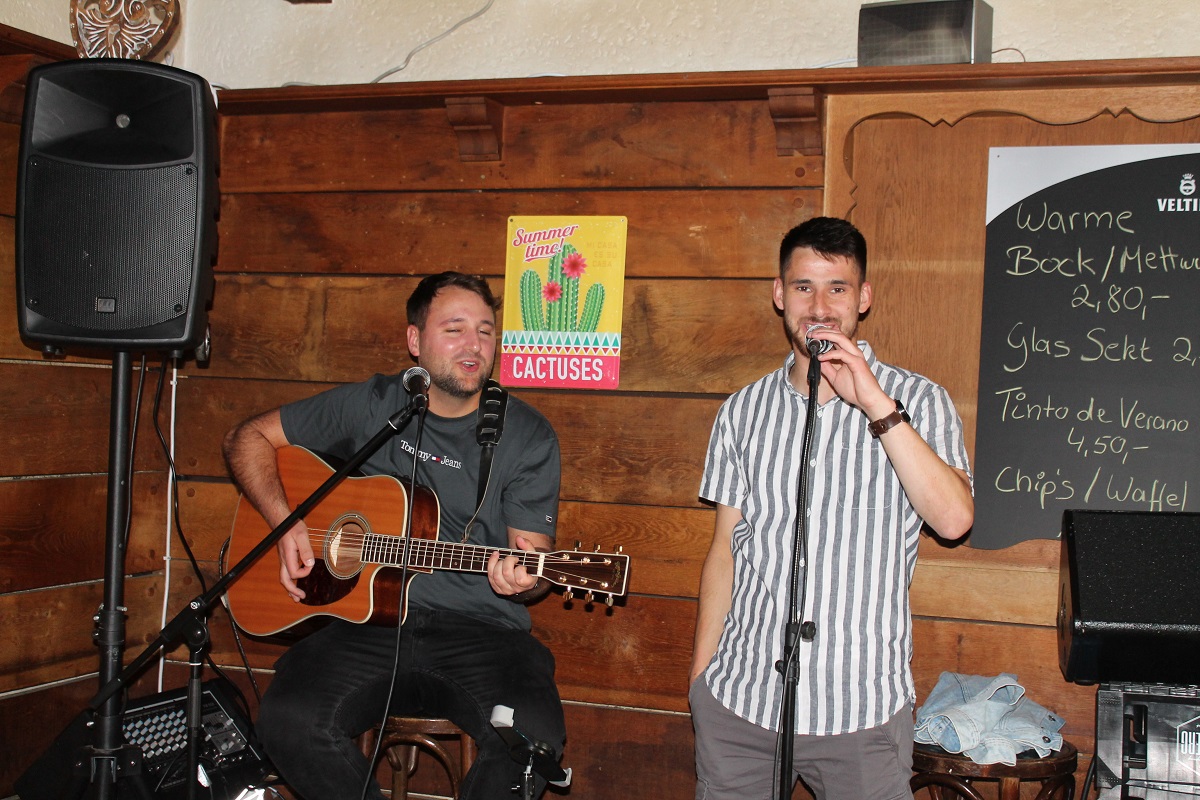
122, 28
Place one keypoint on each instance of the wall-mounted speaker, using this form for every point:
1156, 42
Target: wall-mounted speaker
1127, 607
905, 32
116, 206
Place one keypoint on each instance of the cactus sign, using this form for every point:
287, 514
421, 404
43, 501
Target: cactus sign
563, 291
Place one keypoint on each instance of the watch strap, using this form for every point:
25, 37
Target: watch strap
882, 426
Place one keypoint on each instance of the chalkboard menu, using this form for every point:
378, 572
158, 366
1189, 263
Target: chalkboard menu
1089, 369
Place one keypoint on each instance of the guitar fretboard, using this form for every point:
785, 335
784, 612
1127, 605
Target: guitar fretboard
428, 554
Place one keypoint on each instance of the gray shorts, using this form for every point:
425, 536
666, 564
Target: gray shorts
735, 759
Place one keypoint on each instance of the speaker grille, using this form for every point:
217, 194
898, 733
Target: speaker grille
109, 249
1137, 568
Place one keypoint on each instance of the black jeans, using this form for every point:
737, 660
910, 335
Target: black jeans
331, 686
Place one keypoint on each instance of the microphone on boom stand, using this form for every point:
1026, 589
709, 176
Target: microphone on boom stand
416, 383
537, 756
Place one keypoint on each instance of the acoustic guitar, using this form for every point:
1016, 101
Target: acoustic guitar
358, 535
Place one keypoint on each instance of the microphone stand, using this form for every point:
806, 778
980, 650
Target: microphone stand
796, 630
190, 625
537, 756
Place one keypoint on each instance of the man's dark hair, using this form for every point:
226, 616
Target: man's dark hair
827, 237
422, 297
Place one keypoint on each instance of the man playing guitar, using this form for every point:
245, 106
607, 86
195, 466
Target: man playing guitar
465, 644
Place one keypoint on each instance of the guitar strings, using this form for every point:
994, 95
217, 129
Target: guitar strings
433, 552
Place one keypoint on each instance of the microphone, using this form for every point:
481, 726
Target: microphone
416, 383
534, 754
817, 347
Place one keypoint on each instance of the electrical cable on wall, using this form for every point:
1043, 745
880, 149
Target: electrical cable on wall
434, 40
416, 49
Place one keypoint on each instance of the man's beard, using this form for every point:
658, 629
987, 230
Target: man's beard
455, 387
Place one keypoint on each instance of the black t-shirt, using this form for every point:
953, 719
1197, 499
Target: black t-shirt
523, 490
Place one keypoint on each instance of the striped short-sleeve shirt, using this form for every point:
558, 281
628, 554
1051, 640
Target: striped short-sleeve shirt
862, 549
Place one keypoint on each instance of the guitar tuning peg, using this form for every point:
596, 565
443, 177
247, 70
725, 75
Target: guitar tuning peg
608, 601
568, 596
620, 549
596, 549
578, 544
587, 598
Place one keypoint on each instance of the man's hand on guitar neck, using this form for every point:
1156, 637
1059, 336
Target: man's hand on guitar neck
509, 578
296, 559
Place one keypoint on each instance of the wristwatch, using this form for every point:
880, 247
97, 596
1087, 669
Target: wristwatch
882, 426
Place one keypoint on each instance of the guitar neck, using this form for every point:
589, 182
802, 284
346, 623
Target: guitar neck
388, 551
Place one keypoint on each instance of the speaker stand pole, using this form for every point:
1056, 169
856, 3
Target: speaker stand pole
111, 759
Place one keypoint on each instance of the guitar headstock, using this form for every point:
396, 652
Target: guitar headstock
591, 572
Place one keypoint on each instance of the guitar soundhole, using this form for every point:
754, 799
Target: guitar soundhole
344, 547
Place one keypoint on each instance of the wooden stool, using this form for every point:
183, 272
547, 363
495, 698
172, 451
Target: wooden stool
938, 770
401, 738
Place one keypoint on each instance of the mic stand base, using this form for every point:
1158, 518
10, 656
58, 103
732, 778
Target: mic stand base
525, 787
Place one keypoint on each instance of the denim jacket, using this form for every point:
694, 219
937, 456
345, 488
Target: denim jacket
989, 720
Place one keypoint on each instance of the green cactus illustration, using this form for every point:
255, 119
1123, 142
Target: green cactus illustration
570, 296
556, 320
562, 313
532, 317
592, 304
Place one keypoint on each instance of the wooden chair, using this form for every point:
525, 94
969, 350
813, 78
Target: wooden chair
939, 771
403, 735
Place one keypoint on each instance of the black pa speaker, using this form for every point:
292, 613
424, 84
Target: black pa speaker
116, 206
1128, 584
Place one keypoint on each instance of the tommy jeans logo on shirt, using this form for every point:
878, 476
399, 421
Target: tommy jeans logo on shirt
445, 461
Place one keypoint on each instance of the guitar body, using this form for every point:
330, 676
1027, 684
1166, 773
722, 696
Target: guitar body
341, 584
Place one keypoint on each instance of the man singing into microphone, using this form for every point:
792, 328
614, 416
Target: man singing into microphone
887, 454
465, 645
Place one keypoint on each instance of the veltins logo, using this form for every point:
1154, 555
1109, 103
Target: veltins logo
1186, 202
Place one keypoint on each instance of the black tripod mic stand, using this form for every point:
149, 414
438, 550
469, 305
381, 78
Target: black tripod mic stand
191, 626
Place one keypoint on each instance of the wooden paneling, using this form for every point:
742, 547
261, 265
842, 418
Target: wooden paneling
10, 145
46, 635
586, 147
678, 335
57, 420
672, 233
53, 529
1017, 585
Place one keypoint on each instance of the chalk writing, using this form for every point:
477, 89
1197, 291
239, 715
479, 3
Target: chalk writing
1089, 350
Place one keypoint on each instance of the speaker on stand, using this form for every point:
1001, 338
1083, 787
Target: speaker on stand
116, 207
115, 239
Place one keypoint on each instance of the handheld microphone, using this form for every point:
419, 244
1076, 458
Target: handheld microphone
416, 383
817, 347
